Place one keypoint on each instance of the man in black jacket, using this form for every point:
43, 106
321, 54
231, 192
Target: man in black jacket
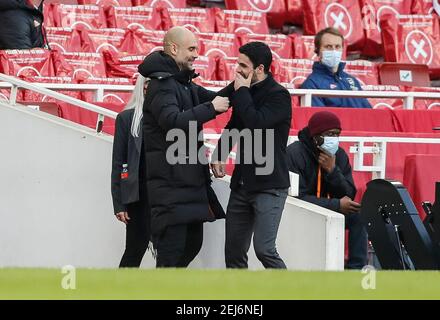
180, 195
325, 178
21, 24
261, 111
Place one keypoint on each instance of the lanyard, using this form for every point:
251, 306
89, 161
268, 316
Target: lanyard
318, 186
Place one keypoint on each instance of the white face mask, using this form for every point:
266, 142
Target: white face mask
331, 58
331, 145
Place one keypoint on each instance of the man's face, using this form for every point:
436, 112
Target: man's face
245, 66
330, 42
187, 53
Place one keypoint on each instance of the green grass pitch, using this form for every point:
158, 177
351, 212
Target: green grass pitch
189, 284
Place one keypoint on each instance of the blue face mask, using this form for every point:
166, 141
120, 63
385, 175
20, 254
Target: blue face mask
331, 58
331, 145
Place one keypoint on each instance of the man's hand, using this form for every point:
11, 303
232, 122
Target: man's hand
348, 206
219, 169
221, 104
241, 81
122, 216
327, 161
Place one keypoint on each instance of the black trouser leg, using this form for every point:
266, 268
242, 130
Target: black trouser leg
137, 234
239, 227
178, 245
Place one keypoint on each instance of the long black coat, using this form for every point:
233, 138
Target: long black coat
303, 160
178, 193
21, 25
126, 150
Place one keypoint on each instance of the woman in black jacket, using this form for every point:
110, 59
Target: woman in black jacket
129, 190
21, 24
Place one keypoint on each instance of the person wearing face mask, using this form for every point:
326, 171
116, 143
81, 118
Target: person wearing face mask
328, 73
325, 178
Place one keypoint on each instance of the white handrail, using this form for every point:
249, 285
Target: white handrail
305, 94
359, 149
16, 83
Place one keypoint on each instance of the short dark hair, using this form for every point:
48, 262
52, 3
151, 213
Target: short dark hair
259, 53
321, 33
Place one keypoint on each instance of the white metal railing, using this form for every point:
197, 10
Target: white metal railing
305, 95
408, 97
377, 146
15, 84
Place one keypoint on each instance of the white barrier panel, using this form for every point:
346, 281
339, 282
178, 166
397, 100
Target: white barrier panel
57, 209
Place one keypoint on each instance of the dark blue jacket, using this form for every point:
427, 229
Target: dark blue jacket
323, 77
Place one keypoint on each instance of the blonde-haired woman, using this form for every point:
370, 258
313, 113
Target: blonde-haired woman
129, 190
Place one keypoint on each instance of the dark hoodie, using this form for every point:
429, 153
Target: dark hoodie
179, 192
303, 159
21, 25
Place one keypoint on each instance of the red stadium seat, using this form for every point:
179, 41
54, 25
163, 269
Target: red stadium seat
293, 71
142, 41
76, 16
134, 18
161, 3
280, 44
218, 44
344, 15
295, 12
365, 71
108, 3
405, 74
425, 104
102, 39
85, 65
384, 103
64, 39
372, 12
413, 39
276, 10
122, 65
26, 63
195, 19
304, 47
206, 67
226, 68
236, 21
422, 7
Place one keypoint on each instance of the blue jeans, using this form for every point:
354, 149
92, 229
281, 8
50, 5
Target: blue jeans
357, 242
257, 213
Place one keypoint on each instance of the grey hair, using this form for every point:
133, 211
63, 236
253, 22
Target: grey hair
136, 102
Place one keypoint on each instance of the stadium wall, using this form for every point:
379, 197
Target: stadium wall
56, 206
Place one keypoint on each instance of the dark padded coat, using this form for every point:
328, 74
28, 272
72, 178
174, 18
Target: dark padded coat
178, 193
21, 25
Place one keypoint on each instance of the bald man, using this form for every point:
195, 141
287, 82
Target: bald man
178, 182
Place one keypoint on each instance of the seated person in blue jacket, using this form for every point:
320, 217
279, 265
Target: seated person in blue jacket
325, 178
328, 73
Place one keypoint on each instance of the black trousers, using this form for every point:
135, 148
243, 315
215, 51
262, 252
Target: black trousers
257, 215
137, 234
178, 245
